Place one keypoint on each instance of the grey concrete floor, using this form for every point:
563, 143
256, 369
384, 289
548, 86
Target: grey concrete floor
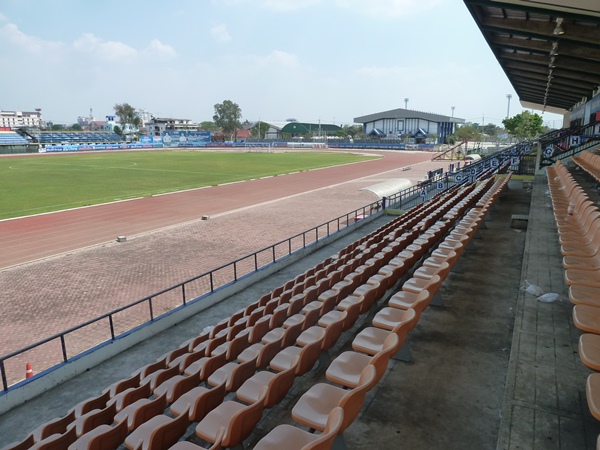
485, 367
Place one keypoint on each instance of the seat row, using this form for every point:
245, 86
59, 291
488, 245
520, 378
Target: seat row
578, 224
353, 373
589, 163
287, 330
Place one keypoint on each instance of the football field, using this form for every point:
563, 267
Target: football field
38, 184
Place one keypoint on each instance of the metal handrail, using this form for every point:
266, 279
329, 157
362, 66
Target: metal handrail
237, 268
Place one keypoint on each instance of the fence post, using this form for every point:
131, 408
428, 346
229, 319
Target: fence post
383, 203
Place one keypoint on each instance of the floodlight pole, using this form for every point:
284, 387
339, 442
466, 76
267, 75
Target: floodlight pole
406, 103
508, 97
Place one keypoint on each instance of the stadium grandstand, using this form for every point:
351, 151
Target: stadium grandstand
79, 137
12, 138
461, 314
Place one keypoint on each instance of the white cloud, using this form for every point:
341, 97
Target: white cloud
389, 8
30, 44
95, 47
220, 33
158, 49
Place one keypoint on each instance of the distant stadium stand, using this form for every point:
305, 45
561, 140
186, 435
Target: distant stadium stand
79, 137
12, 138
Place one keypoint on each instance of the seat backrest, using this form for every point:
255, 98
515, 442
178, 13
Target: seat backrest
212, 364
110, 439
331, 430
57, 441
236, 346
380, 360
25, 444
267, 353
147, 411
421, 302
131, 395
259, 329
291, 334
244, 421
279, 315
408, 322
163, 375
94, 419
241, 373
206, 402
54, 426
183, 385
281, 384
90, 404
309, 356
152, 367
167, 434
333, 331
121, 385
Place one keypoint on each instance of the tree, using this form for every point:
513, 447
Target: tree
208, 126
260, 129
524, 126
353, 130
117, 130
465, 133
491, 130
227, 117
76, 127
127, 116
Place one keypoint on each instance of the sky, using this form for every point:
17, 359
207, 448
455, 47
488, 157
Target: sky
311, 60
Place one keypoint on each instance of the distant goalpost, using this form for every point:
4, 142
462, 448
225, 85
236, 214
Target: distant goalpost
261, 147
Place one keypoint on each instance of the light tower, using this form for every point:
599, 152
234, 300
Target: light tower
406, 103
508, 97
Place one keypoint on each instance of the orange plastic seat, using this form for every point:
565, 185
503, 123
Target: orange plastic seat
54, 426
233, 374
584, 294
346, 369
292, 438
176, 386
198, 402
239, 420
371, 339
587, 318
589, 350
158, 433
103, 437
308, 354
57, 441
129, 396
278, 385
121, 385
313, 408
141, 411
592, 394
90, 404
389, 316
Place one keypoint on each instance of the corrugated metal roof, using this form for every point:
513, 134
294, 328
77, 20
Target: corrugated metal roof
389, 187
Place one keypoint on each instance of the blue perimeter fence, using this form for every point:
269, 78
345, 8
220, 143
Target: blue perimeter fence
82, 339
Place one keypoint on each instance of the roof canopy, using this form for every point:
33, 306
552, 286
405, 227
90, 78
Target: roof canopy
407, 114
389, 187
549, 49
310, 128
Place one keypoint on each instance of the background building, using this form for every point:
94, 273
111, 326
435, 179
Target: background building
18, 119
397, 123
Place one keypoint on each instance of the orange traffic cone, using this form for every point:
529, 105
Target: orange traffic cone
28, 371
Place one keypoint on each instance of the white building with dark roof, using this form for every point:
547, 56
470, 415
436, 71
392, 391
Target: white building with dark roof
415, 124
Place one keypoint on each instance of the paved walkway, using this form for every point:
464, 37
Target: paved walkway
545, 405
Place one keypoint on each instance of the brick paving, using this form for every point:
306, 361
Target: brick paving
48, 296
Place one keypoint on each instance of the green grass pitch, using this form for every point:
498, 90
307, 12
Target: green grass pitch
38, 184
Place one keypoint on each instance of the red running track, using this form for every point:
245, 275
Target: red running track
30, 238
